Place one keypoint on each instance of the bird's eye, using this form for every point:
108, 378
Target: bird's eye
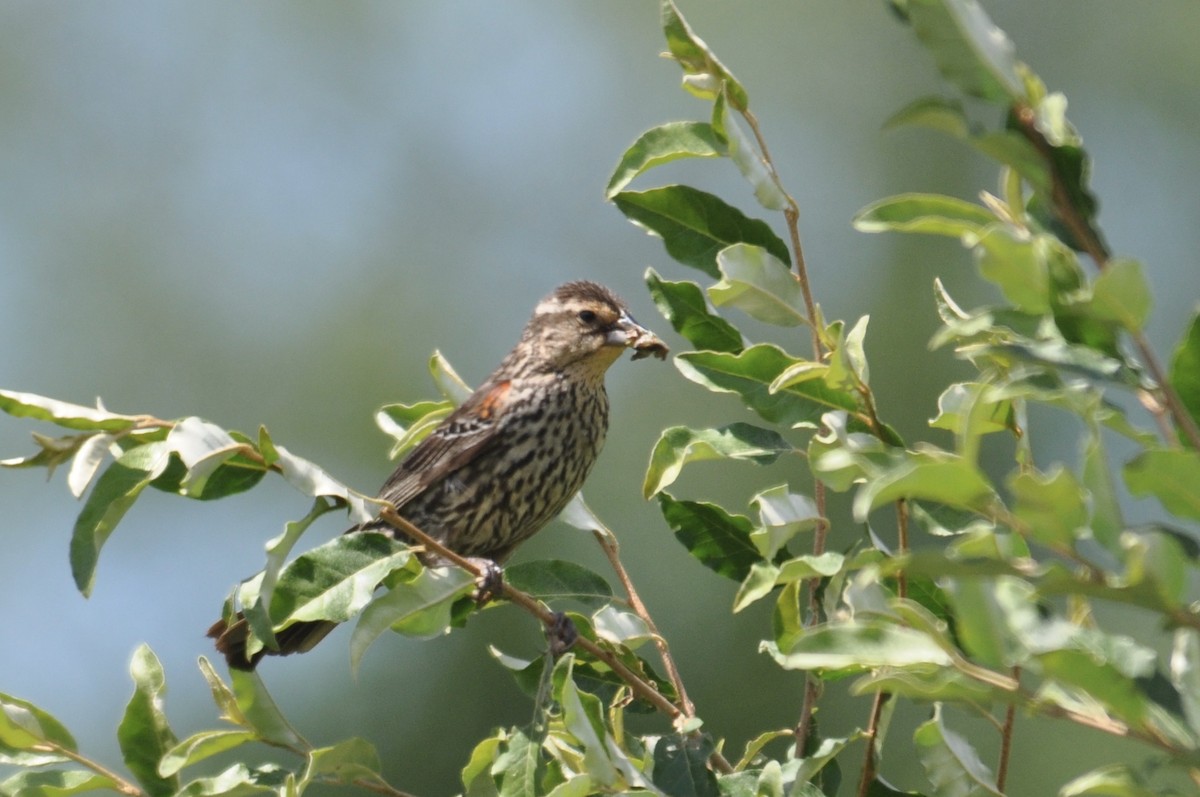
587, 316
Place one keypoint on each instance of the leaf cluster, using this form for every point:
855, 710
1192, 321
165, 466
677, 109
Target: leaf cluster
967, 594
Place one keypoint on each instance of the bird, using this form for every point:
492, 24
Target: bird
510, 458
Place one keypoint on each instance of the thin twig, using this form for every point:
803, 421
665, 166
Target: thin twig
902, 545
119, 783
868, 767
640, 687
1006, 736
612, 549
791, 214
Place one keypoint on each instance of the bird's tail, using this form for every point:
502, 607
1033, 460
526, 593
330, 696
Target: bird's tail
298, 637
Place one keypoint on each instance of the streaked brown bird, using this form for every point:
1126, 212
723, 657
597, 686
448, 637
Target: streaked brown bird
510, 458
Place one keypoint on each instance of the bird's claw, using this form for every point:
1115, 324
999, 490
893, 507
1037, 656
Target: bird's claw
490, 584
561, 634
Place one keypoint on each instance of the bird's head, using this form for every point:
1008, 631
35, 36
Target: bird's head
583, 325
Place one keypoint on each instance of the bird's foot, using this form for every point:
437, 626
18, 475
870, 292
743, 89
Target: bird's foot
561, 634
490, 584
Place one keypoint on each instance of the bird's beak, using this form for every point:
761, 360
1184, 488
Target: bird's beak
628, 332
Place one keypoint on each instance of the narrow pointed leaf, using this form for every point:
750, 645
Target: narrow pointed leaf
258, 711
933, 214
200, 746
88, 459
704, 75
62, 413
144, 735
113, 494
854, 647
56, 783
664, 144
1185, 369
408, 424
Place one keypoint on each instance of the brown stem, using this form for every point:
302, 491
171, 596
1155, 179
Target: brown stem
791, 214
119, 783
612, 549
868, 767
1006, 735
902, 545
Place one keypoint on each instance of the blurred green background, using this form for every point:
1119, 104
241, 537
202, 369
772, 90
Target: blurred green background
273, 213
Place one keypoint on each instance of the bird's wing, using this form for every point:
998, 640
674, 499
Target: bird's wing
462, 436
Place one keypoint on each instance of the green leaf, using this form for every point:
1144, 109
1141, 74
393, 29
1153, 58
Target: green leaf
859, 646
936, 113
929, 475
312, 480
950, 762
112, 496
679, 445
696, 225
971, 410
55, 783
683, 304
256, 709
223, 696
933, 214
720, 541
240, 780
1099, 681
782, 515
664, 144
704, 75
1185, 369
620, 627
1121, 294
1018, 265
477, 774
420, 607
25, 729
408, 424
452, 386
1171, 476
556, 580
970, 51
747, 157
1113, 780
759, 284
1053, 505
203, 448
345, 762
583, 718
335, 580
1185, 674
200, 746
517, 766
62, 413
750, 375
681, 766
255, 594
848, 368
144, 735
87, 461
